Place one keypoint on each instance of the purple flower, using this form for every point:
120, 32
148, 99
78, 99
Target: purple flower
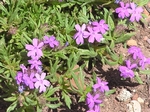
101, 85
144, 61
100, 26
35, 63
25, 79
35, 49
31, 80
21, 89
123, 10
51, 41
41, 83
126, 71
23, 68
19, 77
93, 35
128, 63
80, 33
93, 100
135, 12
136, 52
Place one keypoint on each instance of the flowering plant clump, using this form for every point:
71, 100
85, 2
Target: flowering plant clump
93, 32
94, 100
136, 62
130, 10
44, 72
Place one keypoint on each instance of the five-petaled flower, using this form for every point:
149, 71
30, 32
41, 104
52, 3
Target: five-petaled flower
93, 35
100, 26
143, 61
135, 52
41, 83
126, 71
35, 49
123, 10
35, 63
93, 100
135, 12
100, 85
51, 41
80, 33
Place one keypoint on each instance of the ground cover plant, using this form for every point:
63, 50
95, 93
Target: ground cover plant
46, 46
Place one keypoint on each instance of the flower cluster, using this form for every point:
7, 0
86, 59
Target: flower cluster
94, 100
138, 60
129, 10
33, 76
92, 32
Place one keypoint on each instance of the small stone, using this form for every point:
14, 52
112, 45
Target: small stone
145, 38
140, 100
133, 90
135, 96
124, 95
134, 106
148, 40
131, 42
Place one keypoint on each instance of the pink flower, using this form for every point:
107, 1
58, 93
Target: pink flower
80, 33
101, 85
135, 12
35, 49
93, 100
41, 83
123, 10
93, 35
100, 26
51, 41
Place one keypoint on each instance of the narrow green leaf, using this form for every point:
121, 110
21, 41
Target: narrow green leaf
146, 72
12, 107
53, 106
51, 91
111, 23
124, 37
109, 62
137, 77
11, 99
107, 93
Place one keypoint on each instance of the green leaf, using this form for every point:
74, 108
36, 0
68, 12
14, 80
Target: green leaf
11, 99
67, 99
4, 9
124, 37
87, 53
111, 23
141, 2
12, 107
112, 54
53, 106
106, 13
51, 91
107, 93
147, 72
137, 77
109, 62
30, 102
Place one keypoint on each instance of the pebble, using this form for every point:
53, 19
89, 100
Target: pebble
131, 42
124, 95
148, 40
134, 106
135, 96
140, 100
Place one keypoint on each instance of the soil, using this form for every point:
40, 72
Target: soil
112, 75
